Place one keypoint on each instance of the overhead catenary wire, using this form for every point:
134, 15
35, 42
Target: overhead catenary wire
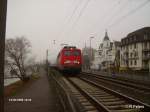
119, 20
80, 14
75, 9
111, 9
129, 13
120, 9
69, 19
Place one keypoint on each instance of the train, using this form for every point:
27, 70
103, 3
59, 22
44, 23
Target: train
69, 59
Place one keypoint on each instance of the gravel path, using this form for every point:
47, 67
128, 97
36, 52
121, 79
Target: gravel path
42, 96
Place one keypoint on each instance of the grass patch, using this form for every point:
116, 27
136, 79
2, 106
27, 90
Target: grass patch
11, 90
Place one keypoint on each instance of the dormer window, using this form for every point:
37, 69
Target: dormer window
145, 36
127, 40
135, 38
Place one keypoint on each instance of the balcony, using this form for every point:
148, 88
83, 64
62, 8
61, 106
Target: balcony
146, 50
145, 67
145, 58
133, 58
126, 51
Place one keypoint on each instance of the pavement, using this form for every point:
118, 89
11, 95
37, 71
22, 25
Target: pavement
38, 96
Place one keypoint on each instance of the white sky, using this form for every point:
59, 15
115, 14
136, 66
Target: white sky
73, 22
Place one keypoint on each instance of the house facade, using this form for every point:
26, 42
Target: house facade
135, 50
105, 56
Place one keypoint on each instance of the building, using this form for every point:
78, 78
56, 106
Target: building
105, 57
135, 50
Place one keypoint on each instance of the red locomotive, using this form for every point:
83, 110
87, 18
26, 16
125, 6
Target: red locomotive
69, 59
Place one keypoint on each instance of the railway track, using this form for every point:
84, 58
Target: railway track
98, 98
87, 96
143, 88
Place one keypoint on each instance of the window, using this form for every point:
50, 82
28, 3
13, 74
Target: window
145, 45
135, 38
76, 53
126, 47
145, 36
135, 62
67, 53
126, 40
100, 53
130, 46
131, 55
135, 45
131, 62
135, 54
130, 39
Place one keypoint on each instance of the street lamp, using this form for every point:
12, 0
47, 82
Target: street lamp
90, 50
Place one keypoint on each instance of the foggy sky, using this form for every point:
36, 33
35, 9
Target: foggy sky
73, 22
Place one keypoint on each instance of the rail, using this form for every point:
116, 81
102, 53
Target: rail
106, 99
131, 84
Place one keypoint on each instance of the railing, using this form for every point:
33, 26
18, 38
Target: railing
146, 49
146, 57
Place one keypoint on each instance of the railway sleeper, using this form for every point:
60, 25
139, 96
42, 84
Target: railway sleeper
92, 111
127, 110
104, 95
107, 97
86, 103
82, 100
98, 91
89, 108
116, 107
114, 103
109, 100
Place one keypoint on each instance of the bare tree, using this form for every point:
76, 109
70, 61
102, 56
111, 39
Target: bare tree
17, 50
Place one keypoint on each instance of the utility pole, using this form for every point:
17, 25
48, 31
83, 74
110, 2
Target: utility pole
47, 61
54, 41
90, 51
3, 11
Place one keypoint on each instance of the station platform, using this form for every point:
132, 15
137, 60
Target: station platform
39, 96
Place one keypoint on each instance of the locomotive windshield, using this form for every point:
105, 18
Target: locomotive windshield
67, 53
76, 53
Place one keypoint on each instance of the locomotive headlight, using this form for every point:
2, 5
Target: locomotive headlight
77, 62
67, 61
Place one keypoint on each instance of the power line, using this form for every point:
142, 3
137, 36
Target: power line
76, 7
80, 14
70, 17
108, 13
130, 13
124, 16
122, 7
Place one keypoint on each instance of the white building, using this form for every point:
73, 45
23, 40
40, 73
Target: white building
105, 56
135, 50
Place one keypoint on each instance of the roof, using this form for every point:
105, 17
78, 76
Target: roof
106, 37
139, 31
117, 43
68, 47
139, 35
